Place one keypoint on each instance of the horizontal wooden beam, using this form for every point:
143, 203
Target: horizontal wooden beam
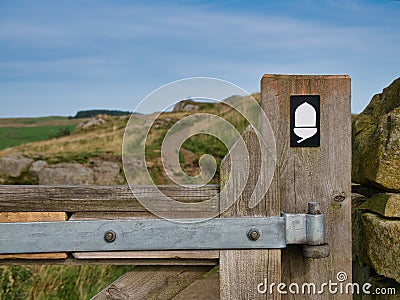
110, 202
148, 282
33, 198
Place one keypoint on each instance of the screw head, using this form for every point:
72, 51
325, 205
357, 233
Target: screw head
110, 236
253, 234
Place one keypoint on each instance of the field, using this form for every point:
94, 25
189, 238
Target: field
18, 131
14, 136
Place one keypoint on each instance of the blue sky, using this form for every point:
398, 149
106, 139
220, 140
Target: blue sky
58, 57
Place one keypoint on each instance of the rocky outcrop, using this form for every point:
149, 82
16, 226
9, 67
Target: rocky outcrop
382, 244
19, 169
384, 204
13, 165
36, 167
376, 141
65, 174
91, 123
376, 207
376, 246
101, 173
186, 105
106, 173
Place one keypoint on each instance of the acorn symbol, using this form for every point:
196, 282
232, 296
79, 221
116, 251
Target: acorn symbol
305, 122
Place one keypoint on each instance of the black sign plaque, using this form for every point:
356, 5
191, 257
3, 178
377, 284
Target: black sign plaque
305, 121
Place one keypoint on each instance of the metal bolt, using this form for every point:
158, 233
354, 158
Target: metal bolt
110, 236
314, 208
253, 234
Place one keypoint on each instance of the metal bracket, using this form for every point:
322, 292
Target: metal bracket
308, 230
160, 234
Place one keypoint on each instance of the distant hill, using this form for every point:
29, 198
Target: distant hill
94, 112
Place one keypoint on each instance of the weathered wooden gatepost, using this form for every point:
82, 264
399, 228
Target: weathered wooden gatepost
313, 146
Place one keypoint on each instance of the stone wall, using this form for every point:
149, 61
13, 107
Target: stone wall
376, 196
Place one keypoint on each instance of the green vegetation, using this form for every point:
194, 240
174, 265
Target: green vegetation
56, 282
94, 112
14, 136
202, 144
194, 147
43, 121
102, 141
18, 131
63, 131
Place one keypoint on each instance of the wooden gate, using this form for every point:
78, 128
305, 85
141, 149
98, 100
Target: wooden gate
318, 172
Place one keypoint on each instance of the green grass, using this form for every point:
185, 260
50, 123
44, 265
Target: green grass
56, 282
199, 144
206, 144
38, 120
54, 120
14, 136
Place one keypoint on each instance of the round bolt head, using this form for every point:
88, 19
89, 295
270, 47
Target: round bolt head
253, 234
110, 236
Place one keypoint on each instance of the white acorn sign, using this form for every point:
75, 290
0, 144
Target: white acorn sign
304, 121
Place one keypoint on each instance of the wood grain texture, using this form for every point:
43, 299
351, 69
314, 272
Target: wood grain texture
242, 270
15, 198
148, 282
314, 174
6, 217
9, 217
206, 288
182, 254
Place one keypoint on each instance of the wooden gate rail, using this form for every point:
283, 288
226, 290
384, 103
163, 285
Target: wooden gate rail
104, 202
93, 198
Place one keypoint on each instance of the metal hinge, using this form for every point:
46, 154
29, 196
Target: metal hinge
159, 234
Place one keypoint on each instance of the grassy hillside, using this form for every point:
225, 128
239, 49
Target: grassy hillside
104, 141
17, 131
79, 146
56, 282
40, 121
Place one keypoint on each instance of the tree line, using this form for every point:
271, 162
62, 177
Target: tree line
94, 112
